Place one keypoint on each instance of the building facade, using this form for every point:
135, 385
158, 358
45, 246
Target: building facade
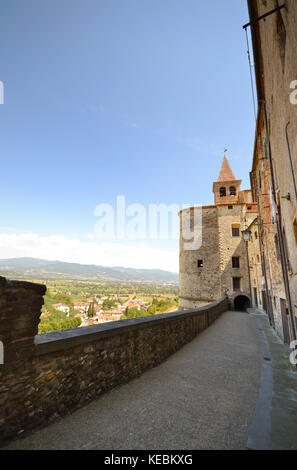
63, 308
219, 265
274, 35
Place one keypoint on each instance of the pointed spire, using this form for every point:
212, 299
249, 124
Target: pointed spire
226, 174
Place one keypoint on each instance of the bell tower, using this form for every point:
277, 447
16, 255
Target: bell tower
226, 188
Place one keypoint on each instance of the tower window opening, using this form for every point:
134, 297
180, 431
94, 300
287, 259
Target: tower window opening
200, 263
223, 192
232, 191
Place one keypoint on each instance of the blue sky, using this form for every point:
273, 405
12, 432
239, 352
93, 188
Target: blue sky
105, 98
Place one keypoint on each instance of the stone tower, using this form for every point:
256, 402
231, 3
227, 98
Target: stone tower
219, 265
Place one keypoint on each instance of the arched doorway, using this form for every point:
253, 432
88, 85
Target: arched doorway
241, 303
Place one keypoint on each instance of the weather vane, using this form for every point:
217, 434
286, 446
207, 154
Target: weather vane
226, 150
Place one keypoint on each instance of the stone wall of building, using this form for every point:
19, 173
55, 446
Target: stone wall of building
59, 372
280, 70
275, 45
262, 190
233, 247
199, 286
256, 267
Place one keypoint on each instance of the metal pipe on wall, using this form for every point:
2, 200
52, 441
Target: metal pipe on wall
291, 161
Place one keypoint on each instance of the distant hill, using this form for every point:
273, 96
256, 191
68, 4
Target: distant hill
34, 268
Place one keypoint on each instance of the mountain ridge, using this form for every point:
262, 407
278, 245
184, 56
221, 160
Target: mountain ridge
46, 269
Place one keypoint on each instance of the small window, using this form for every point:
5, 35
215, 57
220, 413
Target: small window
200, 263
235, 262
236, 283
191, 223
256, 235
235, 232
232, 191
223, 192
249, 208
230, 207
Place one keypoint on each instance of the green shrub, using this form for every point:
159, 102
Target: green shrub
66, 324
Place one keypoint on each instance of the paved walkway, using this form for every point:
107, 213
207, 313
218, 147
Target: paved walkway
203, 397
274, 426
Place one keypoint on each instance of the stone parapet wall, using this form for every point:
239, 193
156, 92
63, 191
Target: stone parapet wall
66, 370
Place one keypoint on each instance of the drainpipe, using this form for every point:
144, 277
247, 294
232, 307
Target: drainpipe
291, 161
284, 261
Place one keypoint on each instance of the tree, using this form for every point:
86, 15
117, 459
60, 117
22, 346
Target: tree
91, 310
133, 312
108, 304
152, 310
46, 327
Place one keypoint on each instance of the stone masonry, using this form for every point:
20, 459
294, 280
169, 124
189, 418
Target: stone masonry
20, 306
274, 46
208, 273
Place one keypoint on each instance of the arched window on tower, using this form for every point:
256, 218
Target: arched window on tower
223, 192
232, 191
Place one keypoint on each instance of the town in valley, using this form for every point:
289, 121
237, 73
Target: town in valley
71, 304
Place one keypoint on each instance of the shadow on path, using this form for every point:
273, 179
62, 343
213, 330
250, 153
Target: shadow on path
274, 424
